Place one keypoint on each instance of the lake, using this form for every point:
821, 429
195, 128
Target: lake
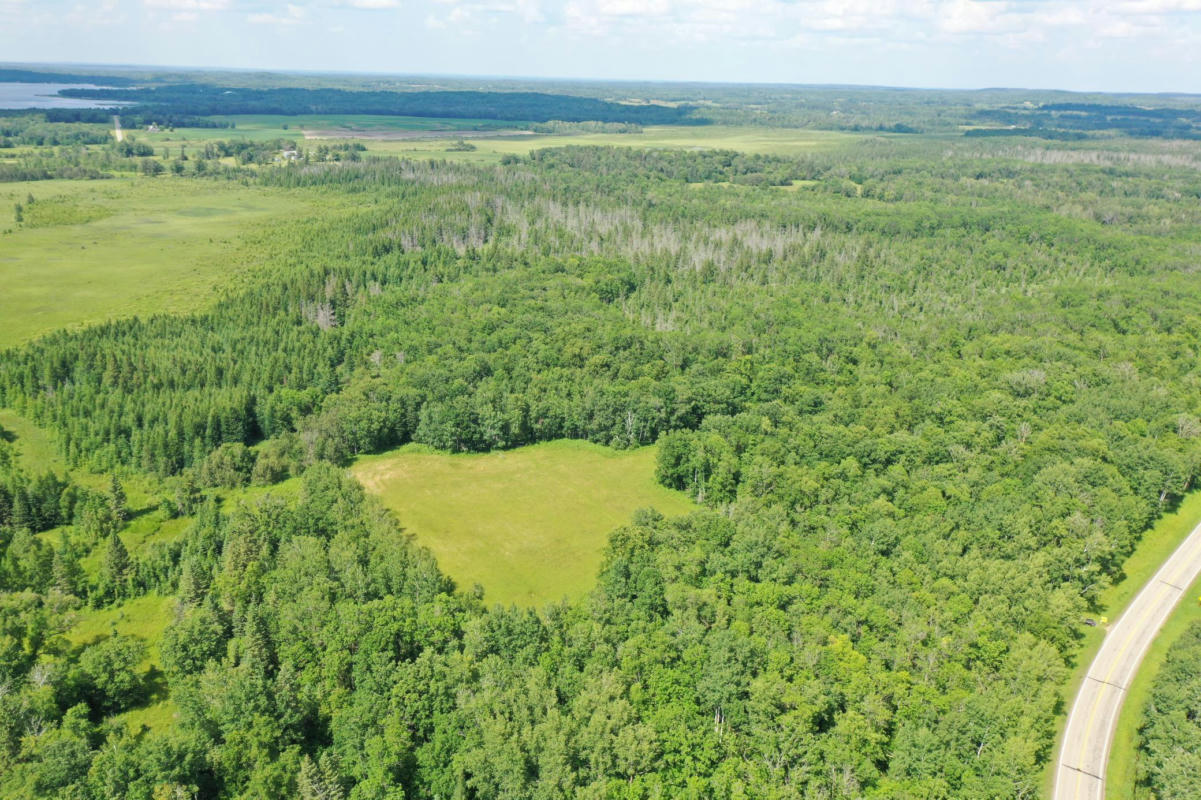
43, 95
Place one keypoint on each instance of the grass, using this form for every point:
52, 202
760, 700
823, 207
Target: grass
1152, 550
97, 250
529, 525
36, 450
266, 127
145, 618
749, 139
1122, 773
777, 141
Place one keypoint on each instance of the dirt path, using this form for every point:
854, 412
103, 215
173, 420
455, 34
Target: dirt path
120, 134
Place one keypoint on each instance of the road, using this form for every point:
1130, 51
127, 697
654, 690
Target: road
1084, 756
117, 128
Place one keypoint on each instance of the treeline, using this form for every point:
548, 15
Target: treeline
36, 503
677, 165
34, 130
1037, 133
559, 127
34, 76
133, 119
208, 100
1058, 120
132, 157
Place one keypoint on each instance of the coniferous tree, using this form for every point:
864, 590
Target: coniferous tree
114, 572
66, 573
21, 516
319, 781
117, 500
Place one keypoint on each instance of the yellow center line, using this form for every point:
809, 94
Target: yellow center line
1114, 663
1190, 553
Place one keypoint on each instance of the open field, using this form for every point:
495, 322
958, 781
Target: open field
97, 250
426, 137
35, 448
776, 141
530, 524
266, 127
1154, 548
144, 618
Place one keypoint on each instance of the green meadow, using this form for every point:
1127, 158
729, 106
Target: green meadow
747, 139
265, 127
35, 448
373, 131
529, 525
89, 251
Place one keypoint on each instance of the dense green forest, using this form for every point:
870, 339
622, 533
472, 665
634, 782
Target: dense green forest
1170, 737
186, 97
9, 75
930, 392
206, 100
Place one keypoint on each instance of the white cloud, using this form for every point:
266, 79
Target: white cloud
973, 16
187, 5
292, 15
105, 12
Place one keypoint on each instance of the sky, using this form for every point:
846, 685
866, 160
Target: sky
1093, 45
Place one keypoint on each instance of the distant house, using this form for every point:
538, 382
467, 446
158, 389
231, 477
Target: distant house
152, 128
289, 155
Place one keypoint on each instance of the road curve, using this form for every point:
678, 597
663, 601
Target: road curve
1084, 755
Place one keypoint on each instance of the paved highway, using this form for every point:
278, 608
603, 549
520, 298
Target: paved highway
1080, 774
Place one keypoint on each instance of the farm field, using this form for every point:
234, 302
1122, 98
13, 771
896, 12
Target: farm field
98, 250
436, 134
265, 127
530, 524
748, 139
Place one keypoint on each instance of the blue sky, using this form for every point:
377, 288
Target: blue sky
1121, 45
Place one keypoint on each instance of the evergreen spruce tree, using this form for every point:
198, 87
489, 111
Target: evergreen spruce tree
21, 515
187, 494
117, 500
114, 573
319, 781
66, 573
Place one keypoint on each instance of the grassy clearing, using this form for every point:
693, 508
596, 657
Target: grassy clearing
1154, 548
778, 141
35, 447
265, 127
528, 524
144, 618
750, 139
38, 452
97, 250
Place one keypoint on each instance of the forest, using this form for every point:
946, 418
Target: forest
1170, 737
929, 392
206, 100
